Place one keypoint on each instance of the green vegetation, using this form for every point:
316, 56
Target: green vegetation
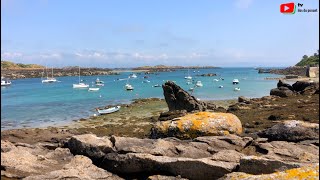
12, 65
311, 60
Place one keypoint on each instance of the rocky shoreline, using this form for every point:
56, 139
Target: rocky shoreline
275, 136
57, 72
294, 70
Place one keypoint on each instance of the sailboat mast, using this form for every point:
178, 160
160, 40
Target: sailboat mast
79, 74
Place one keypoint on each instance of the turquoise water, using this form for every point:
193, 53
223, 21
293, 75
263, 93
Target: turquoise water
29, 103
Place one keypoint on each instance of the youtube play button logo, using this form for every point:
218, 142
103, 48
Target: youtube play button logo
288, 8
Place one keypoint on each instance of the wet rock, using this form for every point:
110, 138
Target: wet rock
179, 99
208, 75
292, 130
171, 115
211, 106
80, 167
198, 124
282, 84
305, 172
281, 92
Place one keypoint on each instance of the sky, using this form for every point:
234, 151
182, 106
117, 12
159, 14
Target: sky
131, 33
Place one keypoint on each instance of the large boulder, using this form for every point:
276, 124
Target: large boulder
305, 172
292, 130
198, 124
179, 99
282, 84
301, 85
281, 92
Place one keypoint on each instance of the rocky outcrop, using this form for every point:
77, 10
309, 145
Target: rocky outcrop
162, 177
292, 130
211, 156
179, 99
282, 84
281, 92
198, 124
301, 85
305, 172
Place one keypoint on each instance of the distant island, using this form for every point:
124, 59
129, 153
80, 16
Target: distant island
13, 70
164, 68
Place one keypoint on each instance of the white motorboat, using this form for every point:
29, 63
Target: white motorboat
93, 89
109, 110
235, 81
80, 84
237, 89
157, 85
199, 84
191, 89
5, 82
220, 86
216, 80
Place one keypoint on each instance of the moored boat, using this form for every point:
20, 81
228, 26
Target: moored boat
109, 110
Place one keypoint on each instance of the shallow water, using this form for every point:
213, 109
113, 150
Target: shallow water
29, 103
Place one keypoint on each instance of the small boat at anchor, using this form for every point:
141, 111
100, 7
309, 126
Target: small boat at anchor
109, 110
220, 86
235, 81
199, 84
93, 89
237, 89
5, 82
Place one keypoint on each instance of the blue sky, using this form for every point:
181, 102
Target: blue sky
130, 33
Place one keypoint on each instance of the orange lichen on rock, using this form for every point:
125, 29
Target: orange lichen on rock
308, 172
202, 123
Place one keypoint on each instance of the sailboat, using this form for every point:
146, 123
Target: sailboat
49, 79
188, 77
128, 86
80, 84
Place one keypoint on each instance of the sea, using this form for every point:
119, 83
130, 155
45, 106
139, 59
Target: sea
30, 103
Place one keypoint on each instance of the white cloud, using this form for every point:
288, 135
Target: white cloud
243, 4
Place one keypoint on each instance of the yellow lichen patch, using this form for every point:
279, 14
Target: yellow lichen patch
303, 173
204, 123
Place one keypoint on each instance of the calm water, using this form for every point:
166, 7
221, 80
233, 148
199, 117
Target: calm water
29, 103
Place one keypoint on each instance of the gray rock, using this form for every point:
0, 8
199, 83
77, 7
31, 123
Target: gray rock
243, 99
292, 130
260, 165
281, 92
301, 85
80, 168
179, 99
90, 145
282, 84
186, 167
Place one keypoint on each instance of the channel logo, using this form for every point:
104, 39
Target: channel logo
288, 8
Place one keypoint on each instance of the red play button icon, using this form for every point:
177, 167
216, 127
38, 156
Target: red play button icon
287, 8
